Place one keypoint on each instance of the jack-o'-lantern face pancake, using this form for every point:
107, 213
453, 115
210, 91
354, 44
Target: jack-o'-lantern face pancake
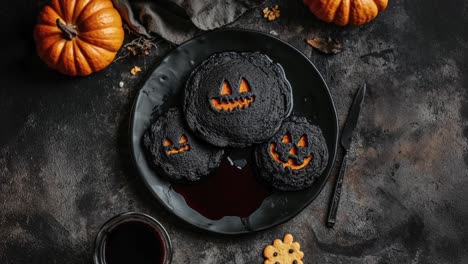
237, 99
294, 157
176, 153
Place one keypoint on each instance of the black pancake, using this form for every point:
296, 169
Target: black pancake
294, 157
176, 153
237, 99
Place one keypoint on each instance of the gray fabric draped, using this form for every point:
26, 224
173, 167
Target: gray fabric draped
179, 20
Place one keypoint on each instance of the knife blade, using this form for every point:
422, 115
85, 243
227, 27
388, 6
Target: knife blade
345, 141
352, 119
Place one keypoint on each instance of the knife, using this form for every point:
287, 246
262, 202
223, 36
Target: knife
345, 141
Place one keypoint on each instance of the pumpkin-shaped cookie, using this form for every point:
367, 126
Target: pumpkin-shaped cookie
176, 153
283, 252
344, 12
294, 157
237, 99
78, 37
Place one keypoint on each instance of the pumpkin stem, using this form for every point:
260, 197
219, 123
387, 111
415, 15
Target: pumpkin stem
69, 31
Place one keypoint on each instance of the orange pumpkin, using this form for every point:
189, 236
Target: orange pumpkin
344, 12
78, 37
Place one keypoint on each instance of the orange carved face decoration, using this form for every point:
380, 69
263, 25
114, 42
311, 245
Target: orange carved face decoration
180, 147
231, 101
294, 155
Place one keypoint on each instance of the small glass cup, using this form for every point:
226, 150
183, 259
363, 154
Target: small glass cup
106, 229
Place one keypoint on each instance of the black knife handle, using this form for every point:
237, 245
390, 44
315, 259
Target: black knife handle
337, 193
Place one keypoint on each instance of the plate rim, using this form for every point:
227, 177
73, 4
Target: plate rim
266, 227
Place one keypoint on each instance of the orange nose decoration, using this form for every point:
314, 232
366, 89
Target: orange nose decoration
293, 150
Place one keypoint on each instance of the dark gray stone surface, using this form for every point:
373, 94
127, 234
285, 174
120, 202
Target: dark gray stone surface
65, 166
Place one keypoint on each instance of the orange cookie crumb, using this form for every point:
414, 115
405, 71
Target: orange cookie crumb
135, 70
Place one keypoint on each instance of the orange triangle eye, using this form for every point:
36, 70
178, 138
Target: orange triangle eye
167, 142
244, 87
226, 89
302, 141
286, 138
183, 139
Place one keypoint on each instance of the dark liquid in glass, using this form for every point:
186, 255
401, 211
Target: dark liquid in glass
134, 242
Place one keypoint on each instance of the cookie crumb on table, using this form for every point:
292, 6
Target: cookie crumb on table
135, 70
271, 13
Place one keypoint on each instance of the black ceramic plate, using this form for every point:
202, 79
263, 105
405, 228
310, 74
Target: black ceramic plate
164, 88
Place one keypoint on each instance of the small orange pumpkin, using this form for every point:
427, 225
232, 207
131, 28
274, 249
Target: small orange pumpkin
344, 12
78, 37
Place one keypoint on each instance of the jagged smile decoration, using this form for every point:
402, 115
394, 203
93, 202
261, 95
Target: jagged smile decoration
229, 102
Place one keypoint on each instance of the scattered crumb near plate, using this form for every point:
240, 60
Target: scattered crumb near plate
135, 70
121, 84
274, 33
271, 13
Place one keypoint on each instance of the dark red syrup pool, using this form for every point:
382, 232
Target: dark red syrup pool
231, 190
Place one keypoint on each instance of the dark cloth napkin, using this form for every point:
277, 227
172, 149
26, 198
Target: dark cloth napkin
179, 20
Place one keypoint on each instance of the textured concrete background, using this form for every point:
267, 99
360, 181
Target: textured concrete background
65, 166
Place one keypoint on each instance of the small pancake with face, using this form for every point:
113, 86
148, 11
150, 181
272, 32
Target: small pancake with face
237, 99
176, 153
294, 157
